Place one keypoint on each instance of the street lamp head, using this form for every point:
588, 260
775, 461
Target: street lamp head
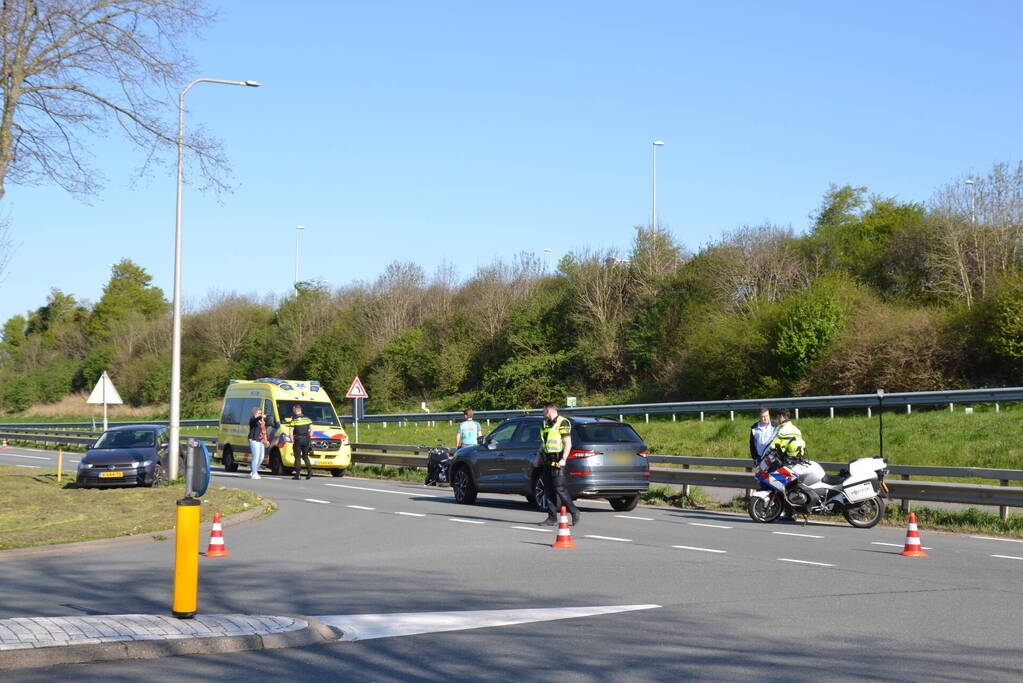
968, 182
658, 143
299, 227
253, 84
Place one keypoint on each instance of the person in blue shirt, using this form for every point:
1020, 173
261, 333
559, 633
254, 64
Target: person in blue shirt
469, 431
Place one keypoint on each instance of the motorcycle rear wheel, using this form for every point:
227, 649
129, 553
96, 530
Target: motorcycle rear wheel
765, 511
866, 514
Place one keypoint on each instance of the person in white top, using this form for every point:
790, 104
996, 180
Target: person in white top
761, 435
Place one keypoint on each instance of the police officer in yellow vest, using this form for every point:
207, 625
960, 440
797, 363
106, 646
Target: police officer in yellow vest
788, 440
556, 442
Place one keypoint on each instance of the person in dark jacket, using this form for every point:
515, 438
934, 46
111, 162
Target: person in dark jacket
300, 440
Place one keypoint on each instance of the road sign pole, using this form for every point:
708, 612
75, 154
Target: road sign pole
186, 559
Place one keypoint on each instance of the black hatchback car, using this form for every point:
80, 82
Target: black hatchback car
607, 460
132, 455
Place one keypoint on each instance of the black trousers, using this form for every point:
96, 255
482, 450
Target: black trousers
302, 448
557, 492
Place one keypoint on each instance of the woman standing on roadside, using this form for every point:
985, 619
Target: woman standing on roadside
257, 441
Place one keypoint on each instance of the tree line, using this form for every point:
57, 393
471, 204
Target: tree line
909, 296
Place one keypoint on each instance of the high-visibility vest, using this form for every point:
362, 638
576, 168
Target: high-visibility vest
788, 441
551, 436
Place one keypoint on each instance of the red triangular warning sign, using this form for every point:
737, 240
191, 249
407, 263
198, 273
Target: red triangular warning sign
357, 390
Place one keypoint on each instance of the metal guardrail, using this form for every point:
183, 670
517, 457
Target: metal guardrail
901, 399
68, 438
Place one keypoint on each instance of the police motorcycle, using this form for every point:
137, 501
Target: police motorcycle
858, 492
438, 465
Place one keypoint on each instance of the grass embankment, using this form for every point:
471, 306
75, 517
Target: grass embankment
35, 510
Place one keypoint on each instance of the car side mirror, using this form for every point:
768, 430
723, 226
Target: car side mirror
90, 446
491, 445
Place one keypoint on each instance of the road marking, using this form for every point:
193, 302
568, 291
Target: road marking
995, 538
16, 455
817, 564
370, 626
1008, 557
465, 521
365, 488
702, 550
360, 507
645, 519
899, 545
533, 528
31, 467
608, 538
712, 526
316, 500
411, 514
786, 533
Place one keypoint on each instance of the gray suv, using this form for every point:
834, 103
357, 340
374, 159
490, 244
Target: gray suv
608, 460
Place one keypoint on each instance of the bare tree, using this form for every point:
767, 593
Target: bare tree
71, 67
600, 282
757, 263
227, 321
654, 258
6, 246
397, 302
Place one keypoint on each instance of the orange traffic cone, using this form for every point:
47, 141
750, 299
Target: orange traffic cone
4, 444
913, 548
217, 548
564, 533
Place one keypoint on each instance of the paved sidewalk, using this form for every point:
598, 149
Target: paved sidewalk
47, 641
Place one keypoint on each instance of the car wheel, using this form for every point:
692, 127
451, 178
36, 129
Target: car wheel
157, 478
465, 489
624, 503
276, 466
337, 473
539, 497
229, 464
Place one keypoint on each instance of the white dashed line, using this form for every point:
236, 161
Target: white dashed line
609, 538
702, 550
533, 528
411, 514
712, 526
316, 500
995, 538
31, 467
816, 564
1008, 557
400, 493
465, 521
899, 545
786, 533
645, 519
16, 455
360, 507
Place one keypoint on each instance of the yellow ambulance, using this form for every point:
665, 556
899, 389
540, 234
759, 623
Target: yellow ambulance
331, 449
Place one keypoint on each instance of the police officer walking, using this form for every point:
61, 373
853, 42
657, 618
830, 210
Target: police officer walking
300, 443
556, 442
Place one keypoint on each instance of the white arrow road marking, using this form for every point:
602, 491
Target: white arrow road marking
316, 500
712, 526
370, 626
818, 564
702, 550
786, 533
409, 494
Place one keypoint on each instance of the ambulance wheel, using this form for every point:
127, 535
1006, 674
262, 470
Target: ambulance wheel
276, 466
337, 473
228, 458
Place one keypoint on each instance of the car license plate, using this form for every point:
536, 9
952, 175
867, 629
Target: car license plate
324, 462
623, 458
111, 475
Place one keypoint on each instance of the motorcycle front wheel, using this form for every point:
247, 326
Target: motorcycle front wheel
765, 511
866, 514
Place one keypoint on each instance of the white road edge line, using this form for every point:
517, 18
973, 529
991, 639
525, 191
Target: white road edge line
608, 538
410, 514
532, 528
1008, 557
645, 519
465, 521
359, 507
816, 564
366, 488
788, 533
712, 526
316, 500
995, 538
702, 550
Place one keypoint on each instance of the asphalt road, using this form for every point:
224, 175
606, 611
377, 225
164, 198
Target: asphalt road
739, 599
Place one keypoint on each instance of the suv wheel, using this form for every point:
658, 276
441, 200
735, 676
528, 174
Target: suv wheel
465, 489
539, 497
276, 466
624, 503
229, 464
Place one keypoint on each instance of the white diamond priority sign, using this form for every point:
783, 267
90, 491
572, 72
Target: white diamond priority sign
357, 390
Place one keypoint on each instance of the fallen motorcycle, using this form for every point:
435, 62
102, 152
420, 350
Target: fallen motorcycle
438, 465
858, 492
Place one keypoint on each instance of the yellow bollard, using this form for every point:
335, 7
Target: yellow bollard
186, 558
60, 463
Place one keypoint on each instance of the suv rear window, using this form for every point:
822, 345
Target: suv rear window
607, 432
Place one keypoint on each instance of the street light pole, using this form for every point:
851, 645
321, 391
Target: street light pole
973, 202
297, 228
653, 223
547, 261
175, 392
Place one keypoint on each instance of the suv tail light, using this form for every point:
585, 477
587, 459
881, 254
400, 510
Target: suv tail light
576, 453
643, 453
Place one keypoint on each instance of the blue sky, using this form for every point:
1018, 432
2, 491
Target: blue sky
464, 131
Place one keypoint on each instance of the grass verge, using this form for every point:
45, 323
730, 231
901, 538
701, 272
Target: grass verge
35, 510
